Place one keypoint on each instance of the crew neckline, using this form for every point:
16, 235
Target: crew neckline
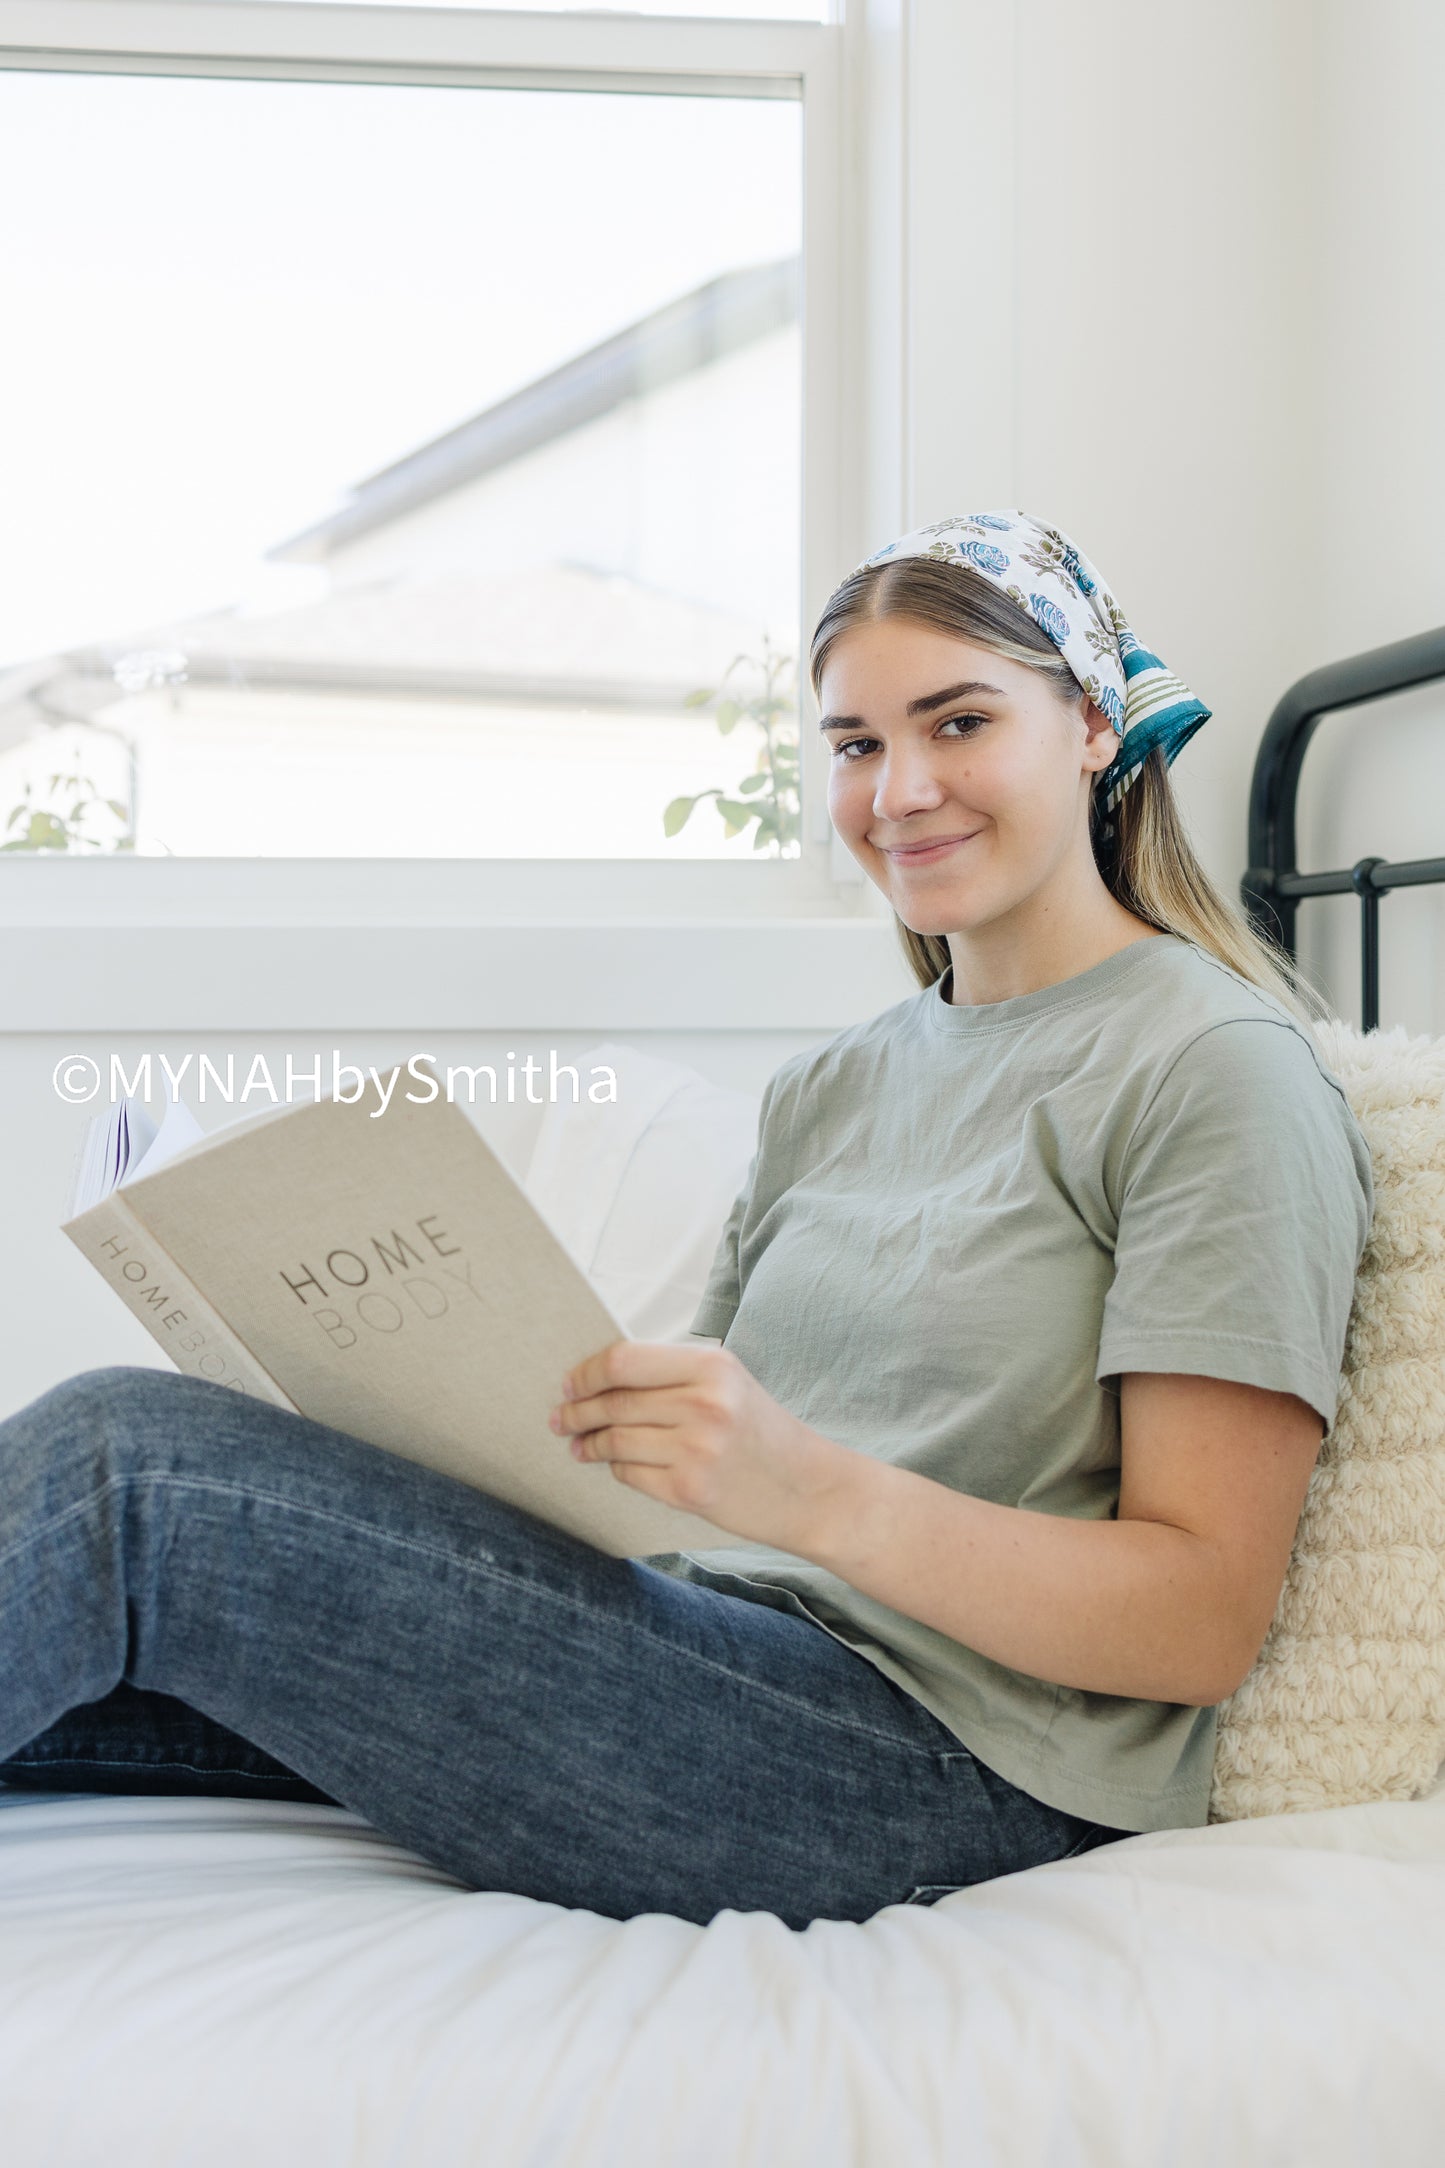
984, 1016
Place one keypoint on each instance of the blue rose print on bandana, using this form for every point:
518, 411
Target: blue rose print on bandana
986, 557
1050, 618
1076, 571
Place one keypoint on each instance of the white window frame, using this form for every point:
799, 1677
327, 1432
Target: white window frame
901, 401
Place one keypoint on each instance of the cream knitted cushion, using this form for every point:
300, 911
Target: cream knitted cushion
1347, 1700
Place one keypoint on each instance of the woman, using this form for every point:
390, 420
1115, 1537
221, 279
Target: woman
1032, 1307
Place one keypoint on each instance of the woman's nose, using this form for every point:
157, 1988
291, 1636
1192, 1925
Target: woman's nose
905, 783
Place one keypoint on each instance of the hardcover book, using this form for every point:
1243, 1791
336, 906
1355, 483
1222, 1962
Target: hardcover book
374, 1265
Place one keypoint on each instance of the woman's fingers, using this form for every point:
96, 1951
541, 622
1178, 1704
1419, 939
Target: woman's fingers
641, 1475
618, 1442
645, 1363
618, 1405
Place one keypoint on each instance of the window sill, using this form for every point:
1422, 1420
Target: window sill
143, 944
793, 975
60, 890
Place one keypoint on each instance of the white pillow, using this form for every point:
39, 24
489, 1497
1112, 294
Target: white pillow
638, 1190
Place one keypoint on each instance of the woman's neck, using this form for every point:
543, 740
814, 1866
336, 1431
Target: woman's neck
997, 963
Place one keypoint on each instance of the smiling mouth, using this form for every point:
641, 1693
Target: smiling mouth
922, 853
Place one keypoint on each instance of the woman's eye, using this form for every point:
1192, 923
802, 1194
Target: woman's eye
967, 724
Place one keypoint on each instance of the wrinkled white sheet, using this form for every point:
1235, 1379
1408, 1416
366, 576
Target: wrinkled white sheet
227, 1982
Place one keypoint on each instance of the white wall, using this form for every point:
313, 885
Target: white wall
1158, 344
1374, 780
1215, 345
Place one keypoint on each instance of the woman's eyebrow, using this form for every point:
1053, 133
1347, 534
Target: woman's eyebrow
923, 706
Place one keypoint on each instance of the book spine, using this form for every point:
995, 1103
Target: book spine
171, 1307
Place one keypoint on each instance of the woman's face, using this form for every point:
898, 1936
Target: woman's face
993, 767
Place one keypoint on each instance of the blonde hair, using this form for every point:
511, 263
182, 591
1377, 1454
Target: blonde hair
1149, 867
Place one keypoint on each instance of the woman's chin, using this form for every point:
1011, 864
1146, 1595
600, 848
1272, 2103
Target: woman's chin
941, 913
938, 923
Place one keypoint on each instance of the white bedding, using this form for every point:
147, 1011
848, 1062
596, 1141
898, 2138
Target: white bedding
233, 1982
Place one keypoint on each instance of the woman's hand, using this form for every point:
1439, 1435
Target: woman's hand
691, 1426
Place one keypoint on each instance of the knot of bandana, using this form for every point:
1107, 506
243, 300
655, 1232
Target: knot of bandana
1040, 570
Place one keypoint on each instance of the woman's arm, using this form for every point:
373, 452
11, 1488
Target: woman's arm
1169, 1602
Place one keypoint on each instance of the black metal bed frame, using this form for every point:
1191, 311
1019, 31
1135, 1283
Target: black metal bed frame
1273, 885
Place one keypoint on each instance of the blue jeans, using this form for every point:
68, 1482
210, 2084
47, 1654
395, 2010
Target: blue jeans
201, 1592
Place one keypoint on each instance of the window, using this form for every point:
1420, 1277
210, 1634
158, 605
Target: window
405, 458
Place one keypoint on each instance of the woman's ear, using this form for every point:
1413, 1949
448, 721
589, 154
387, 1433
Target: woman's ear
1103, 741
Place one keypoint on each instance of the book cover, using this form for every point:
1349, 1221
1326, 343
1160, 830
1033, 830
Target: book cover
384, 1273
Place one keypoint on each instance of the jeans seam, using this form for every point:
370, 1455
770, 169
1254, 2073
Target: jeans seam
482, 1567
25, 1760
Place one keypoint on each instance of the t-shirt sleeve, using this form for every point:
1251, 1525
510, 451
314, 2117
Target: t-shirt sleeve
723, 1292
1245, 1203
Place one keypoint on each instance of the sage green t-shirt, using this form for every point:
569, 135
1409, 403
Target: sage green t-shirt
961, 1225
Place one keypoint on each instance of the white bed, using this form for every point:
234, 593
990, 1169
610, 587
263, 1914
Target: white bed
188, 1981
192, 1980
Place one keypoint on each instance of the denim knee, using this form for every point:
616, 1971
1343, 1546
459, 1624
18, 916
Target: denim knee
81, 1407
109, 1386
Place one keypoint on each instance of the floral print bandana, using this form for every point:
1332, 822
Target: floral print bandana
1040, 570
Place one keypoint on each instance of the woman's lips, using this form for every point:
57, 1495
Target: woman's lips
928, 852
